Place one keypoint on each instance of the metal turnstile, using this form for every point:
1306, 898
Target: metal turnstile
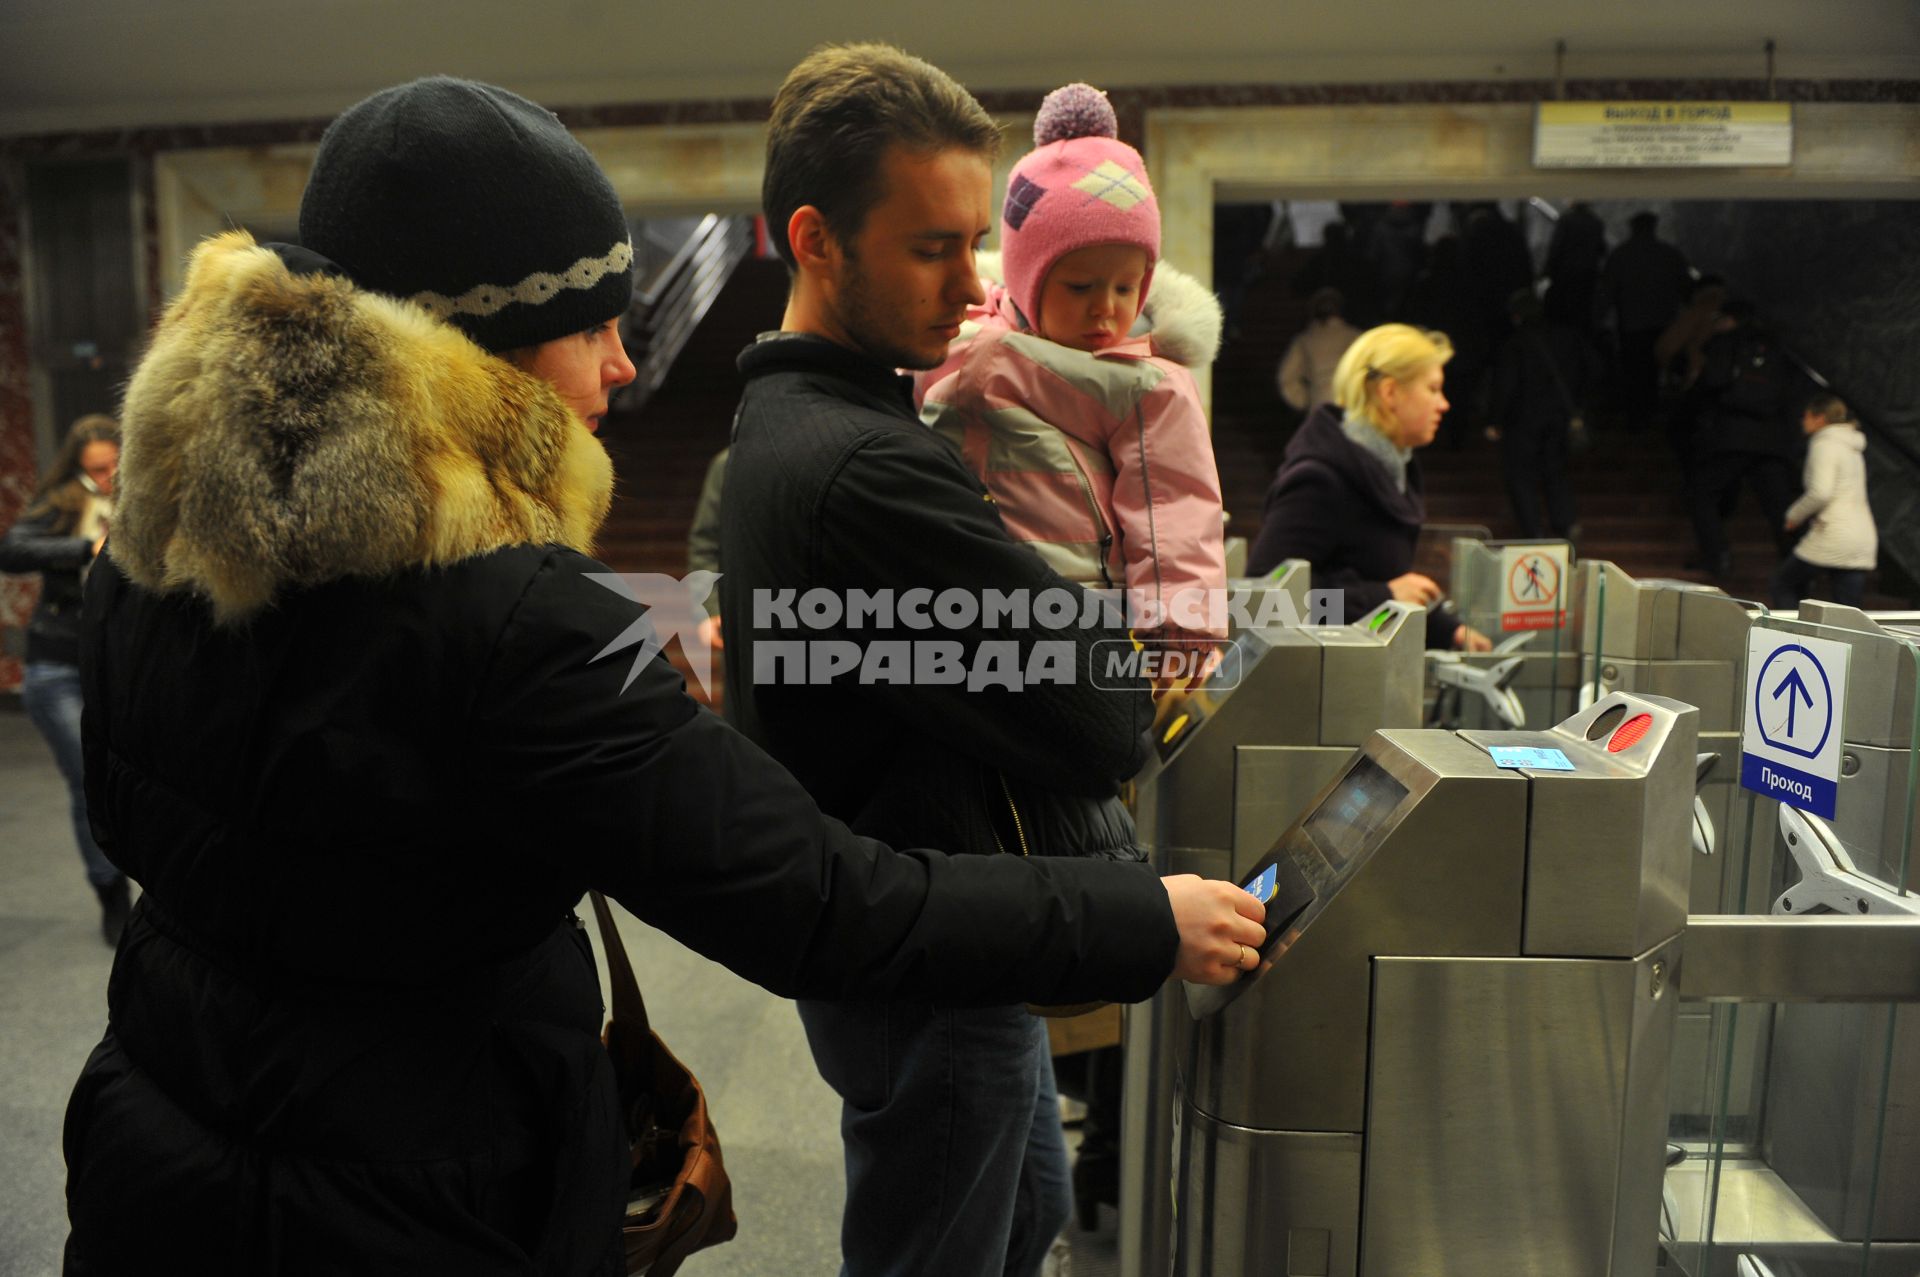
1453, 1058
1827, 1071
1686, 641
1247, 750
1281, 598
1236, 555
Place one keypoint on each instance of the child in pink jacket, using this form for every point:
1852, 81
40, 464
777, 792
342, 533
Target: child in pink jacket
1092, 440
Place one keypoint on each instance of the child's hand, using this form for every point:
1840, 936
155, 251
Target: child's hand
1198, 656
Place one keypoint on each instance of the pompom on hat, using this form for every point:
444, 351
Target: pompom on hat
1078, 187
474, 203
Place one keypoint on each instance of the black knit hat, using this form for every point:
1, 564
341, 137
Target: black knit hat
472, 202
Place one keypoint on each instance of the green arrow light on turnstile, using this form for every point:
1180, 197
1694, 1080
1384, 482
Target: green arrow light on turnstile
1380, 620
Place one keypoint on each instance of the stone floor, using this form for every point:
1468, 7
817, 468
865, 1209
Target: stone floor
777, 1120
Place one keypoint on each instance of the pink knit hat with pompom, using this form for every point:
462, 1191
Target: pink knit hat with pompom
1079, 186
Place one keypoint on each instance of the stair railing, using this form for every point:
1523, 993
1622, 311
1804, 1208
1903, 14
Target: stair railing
664, 314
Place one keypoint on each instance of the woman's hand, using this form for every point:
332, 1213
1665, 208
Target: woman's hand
1468, 639
1412, 587
1220, 929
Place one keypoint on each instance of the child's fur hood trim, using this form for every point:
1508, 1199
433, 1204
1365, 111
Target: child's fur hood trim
286, 430
1183, 316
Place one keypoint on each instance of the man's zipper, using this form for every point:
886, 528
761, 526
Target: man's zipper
1019, 829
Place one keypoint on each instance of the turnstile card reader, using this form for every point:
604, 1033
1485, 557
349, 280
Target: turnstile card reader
1318, 687
1460, 1043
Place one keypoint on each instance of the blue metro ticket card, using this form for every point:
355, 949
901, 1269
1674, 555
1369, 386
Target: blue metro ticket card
1530, 757
1261, 888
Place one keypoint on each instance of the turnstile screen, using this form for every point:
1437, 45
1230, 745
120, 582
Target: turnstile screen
1347, 821
1312, 861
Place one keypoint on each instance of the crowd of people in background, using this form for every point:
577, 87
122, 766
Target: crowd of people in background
1626, 334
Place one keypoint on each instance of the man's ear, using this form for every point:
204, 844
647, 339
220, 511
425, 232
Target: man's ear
813, 244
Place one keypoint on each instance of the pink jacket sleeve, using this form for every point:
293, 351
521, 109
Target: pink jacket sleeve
1166, 498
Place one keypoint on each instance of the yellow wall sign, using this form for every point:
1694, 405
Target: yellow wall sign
1662, 134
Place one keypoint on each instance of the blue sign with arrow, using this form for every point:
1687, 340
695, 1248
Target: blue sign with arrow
1790, 745
1794, 688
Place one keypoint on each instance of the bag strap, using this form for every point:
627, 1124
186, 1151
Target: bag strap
628, 1006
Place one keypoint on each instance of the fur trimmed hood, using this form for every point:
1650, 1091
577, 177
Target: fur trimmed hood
1183, 316
287, 430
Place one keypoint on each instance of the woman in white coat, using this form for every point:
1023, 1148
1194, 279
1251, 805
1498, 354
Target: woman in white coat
1842, 542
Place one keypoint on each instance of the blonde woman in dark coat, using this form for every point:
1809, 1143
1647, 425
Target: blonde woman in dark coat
1347, 497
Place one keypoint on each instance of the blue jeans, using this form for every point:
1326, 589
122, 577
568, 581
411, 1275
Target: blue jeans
51, 693
1794, 581
956, 1166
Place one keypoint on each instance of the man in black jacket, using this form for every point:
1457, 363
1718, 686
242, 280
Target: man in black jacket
862, 561
1544, 375
1747, 435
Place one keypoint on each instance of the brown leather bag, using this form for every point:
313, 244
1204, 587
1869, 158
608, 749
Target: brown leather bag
679, 1199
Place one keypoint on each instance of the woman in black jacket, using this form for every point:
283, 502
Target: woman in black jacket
346, 657
1347, 497
58, 537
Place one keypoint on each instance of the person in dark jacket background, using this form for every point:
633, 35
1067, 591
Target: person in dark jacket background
1748, 434
1347, 497
1574, 254
703, 543
343, 657
58, 536
1644, 283
1543, 378
1442, 300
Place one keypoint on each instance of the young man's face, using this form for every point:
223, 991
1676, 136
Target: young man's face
899, 289
1812, 422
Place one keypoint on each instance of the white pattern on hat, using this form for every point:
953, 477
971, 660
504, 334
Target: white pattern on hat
488, 299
